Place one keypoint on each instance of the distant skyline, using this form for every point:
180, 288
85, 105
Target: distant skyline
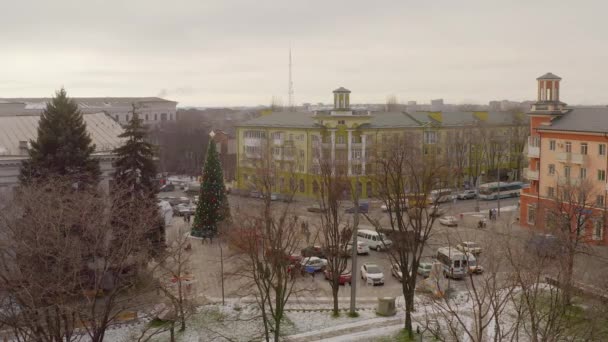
235, 52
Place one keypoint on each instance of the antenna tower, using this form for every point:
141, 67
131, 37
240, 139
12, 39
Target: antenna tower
290, 90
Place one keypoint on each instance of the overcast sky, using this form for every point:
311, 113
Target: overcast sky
224, 52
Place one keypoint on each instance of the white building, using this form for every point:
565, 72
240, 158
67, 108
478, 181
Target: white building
17, 130
152, 110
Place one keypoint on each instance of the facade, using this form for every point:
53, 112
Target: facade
152, 110
567, 147
296, 142
17, 130
226, 148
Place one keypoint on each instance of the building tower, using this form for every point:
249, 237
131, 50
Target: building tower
341, 99
548, 95
290, 85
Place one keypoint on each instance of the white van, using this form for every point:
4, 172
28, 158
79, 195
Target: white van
373, 239
454, 262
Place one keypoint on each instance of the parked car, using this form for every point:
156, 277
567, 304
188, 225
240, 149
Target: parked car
362, 248
363, 208
396, 272
316, 208
424, 269
469, 247
345, 278
467, 194
472, 265
373, 274
167, 187
314, 263
375, 240
316, 251
449, 221
273, 196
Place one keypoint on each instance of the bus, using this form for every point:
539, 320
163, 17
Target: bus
454, 262
441, 195
490, 191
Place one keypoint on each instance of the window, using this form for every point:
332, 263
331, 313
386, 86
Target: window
551, 169
276, 135
341, 122
340, 139
583, 148
356, 154
356, 169
567, 171
602, 149
601, 175
127, 118
552, 145
598, 230
291, 137
430, 137
116, 117
550, 191
568, 147
599, 200
583, 174
146, 117
276, 151
368, 189
531, 214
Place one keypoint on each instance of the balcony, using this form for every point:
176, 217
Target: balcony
533, 147
570, 158
531, 174
356, 145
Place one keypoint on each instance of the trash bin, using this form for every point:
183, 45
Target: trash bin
386, 306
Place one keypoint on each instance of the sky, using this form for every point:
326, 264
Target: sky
235, 52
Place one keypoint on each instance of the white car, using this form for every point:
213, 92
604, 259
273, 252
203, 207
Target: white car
314, 263
469, 247
449, 221
373, 274
362, 248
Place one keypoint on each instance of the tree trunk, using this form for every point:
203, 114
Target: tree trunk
409, 308
172, 332
334, 292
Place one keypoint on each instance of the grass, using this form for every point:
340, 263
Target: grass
158, 323
353, 314
402, 336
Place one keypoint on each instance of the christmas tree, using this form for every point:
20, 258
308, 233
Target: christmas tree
63, 147
213, 204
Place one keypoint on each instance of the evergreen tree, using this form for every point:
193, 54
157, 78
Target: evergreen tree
63, 147
135, 169
134, 178
213, 204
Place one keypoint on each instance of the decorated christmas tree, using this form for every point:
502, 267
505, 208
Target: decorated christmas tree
212, 205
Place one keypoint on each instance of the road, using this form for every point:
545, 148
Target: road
206, 259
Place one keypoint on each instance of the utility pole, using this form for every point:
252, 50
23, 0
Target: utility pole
353, 272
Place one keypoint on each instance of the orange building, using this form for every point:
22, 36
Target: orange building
566, 146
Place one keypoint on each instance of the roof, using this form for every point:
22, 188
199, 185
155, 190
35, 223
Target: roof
387, 119
341, 90
14, 129
549, 76
593, 120
86, 101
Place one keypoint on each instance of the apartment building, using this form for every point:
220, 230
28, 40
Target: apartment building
298, 141
567, 148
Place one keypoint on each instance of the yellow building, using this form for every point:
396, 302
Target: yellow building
295, 143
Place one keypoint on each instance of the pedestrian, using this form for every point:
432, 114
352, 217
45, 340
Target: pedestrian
188, 217
490, 214
307, 233
303, 227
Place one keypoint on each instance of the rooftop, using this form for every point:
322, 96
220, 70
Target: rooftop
581, 119
341, 90
16, 129
40, 102
549, 76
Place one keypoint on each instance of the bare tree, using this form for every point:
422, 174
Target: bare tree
60, 269
405, 179
336, 232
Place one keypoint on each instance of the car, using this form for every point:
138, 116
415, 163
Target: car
183, 209
316, 251
372, 273
363, 209
424, 269
167, 187
362, 248
449, 221
316, 208
469, 247
467, 194
396, 272
345, 277
314, 264
273, 196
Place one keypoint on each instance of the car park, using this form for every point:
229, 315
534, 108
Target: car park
467, 194
469, 247
362, 248
424, 269
345, 277
372, 274
314, 263
449, 221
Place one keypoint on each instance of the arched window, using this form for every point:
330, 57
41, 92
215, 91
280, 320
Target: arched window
302, 186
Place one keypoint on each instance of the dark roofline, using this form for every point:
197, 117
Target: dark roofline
549, 76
